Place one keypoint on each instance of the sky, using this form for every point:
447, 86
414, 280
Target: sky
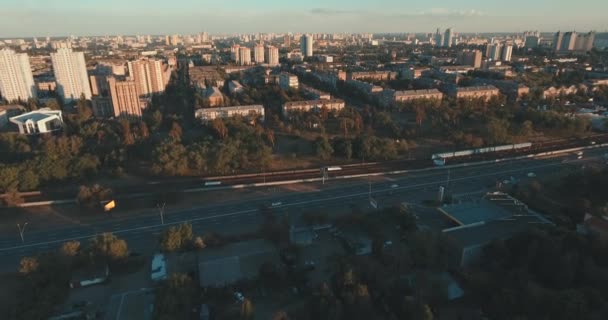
26, 18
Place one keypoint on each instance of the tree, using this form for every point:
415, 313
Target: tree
176, 132
497, 131
83, 110
177, 238
127, 135
175, 298
170, 158
70, 248
91, 197
270, 136
28, 265
220, 128
323, 148
108, 247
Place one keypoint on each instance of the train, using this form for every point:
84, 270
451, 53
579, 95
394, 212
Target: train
439, 159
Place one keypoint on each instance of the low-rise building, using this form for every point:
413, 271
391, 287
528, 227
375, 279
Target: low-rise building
315, 94
372, 75
486, 92
497, 216
214, 96
288, 80
313, 105
365, 87
412, 73
553, 92
409, 95
235, 87
219, 267
40, 121
456, 69
252, 113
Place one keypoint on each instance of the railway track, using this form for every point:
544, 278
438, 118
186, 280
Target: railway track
167, 186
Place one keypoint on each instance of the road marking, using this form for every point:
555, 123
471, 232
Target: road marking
292, 204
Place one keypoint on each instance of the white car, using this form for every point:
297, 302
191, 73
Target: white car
531, 175
393, 186
276, 204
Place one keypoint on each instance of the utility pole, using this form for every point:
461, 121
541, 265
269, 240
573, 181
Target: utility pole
21, 231
369, 182
161, 211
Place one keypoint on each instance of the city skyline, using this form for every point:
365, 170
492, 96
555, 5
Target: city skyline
62, 17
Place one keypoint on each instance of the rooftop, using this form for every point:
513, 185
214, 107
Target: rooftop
485, 232
234, 262
474, 212
37, 115
417, 92
233, 108
312, 102
478, 88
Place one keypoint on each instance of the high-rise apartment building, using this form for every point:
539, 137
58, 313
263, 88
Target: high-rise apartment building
493, 51
557, 41
438, 39
125, 98
287, 40
234, 53
470, 58
175, 40
532, 41
272, 56
584, 42
448, 39
244, 56
306, 43
16, 80
70, 74
507, 52
258, 53
149, 76
568, 41
204, 37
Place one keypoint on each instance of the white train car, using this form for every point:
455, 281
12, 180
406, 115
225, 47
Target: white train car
440, 158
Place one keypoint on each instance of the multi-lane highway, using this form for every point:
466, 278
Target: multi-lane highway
141, 231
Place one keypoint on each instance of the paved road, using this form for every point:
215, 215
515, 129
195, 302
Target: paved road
141, 232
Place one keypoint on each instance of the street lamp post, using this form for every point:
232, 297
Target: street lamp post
161, 211
21, 231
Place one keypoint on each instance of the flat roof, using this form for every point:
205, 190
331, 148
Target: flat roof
474, 212
36, 115
478, 88
417, 92
251, 107
484, 233
231, 263
312, 102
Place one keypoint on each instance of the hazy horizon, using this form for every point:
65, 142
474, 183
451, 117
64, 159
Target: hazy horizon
28, 18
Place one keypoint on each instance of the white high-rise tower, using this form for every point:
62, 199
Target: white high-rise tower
16, 80
71, 74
